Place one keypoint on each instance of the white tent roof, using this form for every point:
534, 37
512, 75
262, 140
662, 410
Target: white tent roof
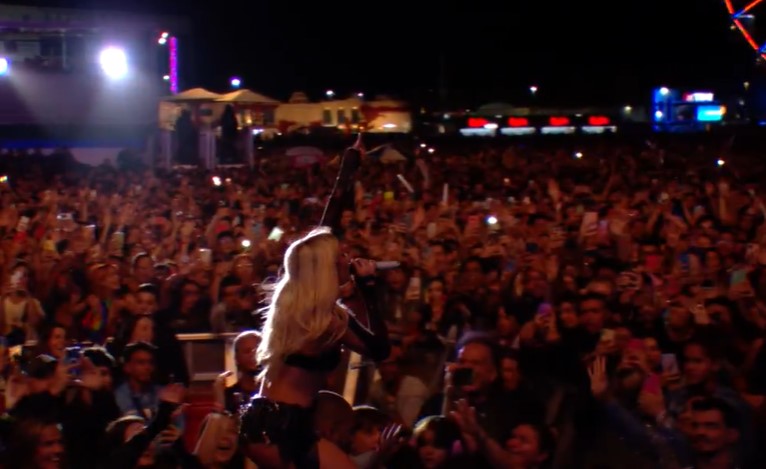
392, 155
246, 97
194, 94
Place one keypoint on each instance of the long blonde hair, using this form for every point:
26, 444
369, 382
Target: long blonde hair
302, 315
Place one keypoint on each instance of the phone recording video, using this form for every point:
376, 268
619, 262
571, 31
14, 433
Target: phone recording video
462, 377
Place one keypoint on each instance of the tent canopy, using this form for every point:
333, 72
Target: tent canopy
246, 97
194, 94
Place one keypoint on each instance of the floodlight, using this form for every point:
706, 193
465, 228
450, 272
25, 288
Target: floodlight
114, 62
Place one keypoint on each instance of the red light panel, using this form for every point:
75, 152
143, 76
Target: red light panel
598, 120
477, 122
518, 122
558, 121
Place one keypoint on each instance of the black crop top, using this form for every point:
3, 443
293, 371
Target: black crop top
325, 362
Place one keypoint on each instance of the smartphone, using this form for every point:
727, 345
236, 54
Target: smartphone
90, 232
413, 289
276, 234
738, 277
206, 256
73, 355
462, 377
431, 230
670, 364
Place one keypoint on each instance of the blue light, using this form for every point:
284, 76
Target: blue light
236, 82
710, 113
5, 66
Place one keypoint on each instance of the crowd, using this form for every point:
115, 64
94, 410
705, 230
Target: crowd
602, 306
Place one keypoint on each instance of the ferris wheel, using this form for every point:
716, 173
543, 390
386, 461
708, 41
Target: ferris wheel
743, 14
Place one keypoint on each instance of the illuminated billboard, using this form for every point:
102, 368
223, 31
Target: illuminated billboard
710, 113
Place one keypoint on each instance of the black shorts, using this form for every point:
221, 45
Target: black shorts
288, 426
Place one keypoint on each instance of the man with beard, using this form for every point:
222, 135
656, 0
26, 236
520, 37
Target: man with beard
714, 434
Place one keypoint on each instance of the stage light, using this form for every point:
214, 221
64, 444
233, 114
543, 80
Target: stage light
114, 62
5, 66
235, 82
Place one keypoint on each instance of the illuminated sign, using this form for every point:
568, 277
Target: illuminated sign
558, 121
518, 122
699, 97
477, 122
712, 113
512, 131
477, 132
598, 129
598, 120
557, 130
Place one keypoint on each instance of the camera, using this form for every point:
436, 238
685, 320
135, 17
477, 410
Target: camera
462, 377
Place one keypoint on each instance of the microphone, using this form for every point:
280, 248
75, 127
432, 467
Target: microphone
386, 265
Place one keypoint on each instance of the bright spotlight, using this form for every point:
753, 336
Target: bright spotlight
5, 66
235, 82
162, 41
664, 91
720, 162
114, 62
166, 77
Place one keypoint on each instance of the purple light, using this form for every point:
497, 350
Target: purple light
173, 49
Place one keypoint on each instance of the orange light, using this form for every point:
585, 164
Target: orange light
558, 121
477, 122
518, 122
598, 121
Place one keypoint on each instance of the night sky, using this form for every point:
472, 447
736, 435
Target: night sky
577, 52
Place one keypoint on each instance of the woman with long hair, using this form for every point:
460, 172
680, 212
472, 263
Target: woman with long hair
317, 307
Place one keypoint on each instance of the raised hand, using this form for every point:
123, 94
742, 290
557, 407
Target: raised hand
389, 440
599, 383
465, 416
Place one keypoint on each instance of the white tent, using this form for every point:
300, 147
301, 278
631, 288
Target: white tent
246, 97
194, 94
391, 155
